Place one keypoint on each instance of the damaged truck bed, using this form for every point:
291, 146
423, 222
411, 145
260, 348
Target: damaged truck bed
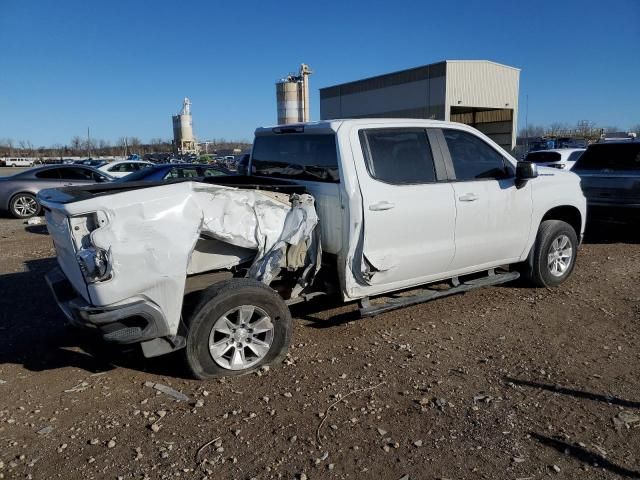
383, 205
137, 268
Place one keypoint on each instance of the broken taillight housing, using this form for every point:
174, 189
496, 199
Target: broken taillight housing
94, 262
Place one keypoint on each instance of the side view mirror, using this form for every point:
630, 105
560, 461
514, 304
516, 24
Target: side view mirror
525, 171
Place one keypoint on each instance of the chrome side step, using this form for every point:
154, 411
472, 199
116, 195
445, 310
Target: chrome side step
367, 309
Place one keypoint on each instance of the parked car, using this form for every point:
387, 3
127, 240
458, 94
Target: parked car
610, 174
19, 162
171, 171
123, 168
90, 162
562, 158
18, 192
355, 208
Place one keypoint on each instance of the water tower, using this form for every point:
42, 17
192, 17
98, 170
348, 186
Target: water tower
292, 96
183, 139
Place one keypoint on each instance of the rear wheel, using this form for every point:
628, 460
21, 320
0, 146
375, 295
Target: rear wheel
553, 254
239, 325
24, 205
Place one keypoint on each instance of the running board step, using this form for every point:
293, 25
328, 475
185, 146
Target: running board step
369, 310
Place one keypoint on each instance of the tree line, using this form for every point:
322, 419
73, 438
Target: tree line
582, 129
86, 147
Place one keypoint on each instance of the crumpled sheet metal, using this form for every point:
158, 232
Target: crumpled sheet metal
152, 233
271, 223
300, 235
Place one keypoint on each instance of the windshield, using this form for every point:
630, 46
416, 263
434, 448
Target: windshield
543, 157
296, 156
611, 156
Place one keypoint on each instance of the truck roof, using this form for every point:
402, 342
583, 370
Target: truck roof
334, 125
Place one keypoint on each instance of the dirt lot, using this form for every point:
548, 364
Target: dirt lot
501, 383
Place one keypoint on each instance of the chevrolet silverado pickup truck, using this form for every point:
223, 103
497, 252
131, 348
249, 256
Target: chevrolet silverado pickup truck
387, 212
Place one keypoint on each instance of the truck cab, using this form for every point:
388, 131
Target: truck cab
404, 202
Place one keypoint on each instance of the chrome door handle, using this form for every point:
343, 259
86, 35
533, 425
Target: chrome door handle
469, 197
384, 205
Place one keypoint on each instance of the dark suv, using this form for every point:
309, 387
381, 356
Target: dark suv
610, 174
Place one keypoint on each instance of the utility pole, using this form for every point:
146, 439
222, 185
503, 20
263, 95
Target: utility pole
526, 123
88, 143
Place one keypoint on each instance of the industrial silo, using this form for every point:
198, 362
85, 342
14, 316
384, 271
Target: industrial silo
292, 97
183, 139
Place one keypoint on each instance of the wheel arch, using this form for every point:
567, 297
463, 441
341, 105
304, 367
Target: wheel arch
568, 214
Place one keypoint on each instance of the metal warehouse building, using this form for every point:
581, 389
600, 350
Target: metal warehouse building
480, 93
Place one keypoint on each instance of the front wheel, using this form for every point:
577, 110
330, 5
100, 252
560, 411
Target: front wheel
553, 254
239, 325
24, 205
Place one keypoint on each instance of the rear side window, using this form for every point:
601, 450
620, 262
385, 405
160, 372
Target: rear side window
182, 172
122, 168
77, 173
399, 156
296, 156
211, 172
472, 158
543, 157
574, 156
618, 156
51, 173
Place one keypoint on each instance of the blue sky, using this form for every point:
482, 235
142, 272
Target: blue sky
123, 67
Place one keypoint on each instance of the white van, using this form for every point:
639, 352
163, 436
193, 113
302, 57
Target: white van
19, 162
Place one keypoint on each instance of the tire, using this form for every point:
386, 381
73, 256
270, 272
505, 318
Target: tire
556, 238
24, 205
238, 348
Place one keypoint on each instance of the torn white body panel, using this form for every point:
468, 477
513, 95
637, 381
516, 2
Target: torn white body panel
152, 238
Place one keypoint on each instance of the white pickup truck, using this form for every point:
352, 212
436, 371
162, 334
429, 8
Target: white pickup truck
362, 209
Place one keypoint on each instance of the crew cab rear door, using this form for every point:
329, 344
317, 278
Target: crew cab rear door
408, 207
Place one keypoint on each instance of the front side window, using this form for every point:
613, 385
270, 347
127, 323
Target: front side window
399, 156
473, 159
297, 156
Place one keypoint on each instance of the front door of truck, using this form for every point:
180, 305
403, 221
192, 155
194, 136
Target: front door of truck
493, 217
409, 210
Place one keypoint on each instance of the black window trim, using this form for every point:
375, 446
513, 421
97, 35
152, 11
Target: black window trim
449, 161
436, 154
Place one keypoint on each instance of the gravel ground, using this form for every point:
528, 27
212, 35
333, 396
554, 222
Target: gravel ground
501, 383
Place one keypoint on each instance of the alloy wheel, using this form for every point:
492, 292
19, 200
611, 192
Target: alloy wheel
560, 256
241, 337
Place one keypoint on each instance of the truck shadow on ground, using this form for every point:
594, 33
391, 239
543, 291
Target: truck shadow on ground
603, 232
583, 455
578, 452
35, 334
574, 393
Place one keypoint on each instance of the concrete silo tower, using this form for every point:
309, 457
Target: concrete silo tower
183, 139
292, 97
